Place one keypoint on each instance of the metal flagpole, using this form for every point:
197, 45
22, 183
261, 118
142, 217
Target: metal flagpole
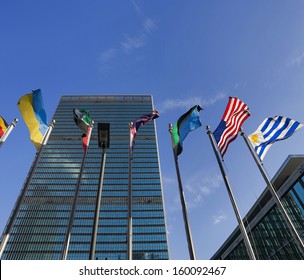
71, 219
183, 202
98, 201
8, 131
130, 234
271, 188
233, 202
25, 186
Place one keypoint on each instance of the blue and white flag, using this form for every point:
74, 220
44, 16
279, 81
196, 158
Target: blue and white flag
270, 131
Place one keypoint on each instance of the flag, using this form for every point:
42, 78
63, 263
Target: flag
186, 123
234, 116
3, 126
270, 131
32, 110
83, 120
141, 121
86, 139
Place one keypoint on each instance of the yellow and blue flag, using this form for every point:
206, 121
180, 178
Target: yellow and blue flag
32, 110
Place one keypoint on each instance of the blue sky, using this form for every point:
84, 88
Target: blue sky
183, 53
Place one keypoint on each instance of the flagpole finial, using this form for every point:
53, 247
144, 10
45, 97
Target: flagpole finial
52, 122
170, 127
130, 125
14, 122
91, 123
208, 128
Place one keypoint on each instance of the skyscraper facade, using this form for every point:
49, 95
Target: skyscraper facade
41, 221
267, 230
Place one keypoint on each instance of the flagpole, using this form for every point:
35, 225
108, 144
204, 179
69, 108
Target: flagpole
130, 231
9, 226
183, 201
97, 206
233, 202
8, 131
71, 219
271, 188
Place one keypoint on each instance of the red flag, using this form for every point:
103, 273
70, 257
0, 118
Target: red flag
86, 139
3, 126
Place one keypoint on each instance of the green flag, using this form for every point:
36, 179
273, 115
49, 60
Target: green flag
82, 119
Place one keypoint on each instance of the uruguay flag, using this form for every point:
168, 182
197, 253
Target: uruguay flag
270, 131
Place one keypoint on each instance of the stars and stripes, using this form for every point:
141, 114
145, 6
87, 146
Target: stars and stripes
234, 116
270, 131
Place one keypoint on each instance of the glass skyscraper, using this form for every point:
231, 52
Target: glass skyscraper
42, 217
267, 230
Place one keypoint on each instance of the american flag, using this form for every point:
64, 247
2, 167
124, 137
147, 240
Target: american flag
234, 116
141, 121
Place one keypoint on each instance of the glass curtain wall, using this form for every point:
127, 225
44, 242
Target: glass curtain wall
41, 224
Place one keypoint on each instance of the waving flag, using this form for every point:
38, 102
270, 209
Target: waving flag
83, 120
3, 126
270, 131
186, 123
32, 110
141, 121
234, 116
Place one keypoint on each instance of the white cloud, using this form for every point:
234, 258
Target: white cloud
168, 180
107, 55
171, 104
196, 190
199, 187
219, 96
131, 43
218, 219
296, 61
140, 39
149, 25
137, 8
105, 59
